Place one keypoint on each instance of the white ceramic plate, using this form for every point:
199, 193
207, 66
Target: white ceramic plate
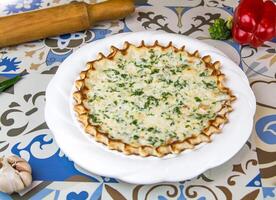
97, 158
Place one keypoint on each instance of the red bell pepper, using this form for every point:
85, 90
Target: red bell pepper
254, 22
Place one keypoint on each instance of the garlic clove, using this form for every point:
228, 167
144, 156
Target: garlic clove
23, 166
26, 178
10, 180
13, 158
17, 183
15, 174
19, 164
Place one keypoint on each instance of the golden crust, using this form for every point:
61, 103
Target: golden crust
80, 97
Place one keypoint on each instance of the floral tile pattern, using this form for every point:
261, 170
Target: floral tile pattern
251, 174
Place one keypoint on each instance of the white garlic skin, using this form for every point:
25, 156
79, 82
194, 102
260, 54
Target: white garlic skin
15, 174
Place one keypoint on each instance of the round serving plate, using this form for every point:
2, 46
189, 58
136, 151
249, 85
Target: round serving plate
97, 158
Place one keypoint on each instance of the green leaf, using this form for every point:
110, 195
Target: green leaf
8, 83
219, 30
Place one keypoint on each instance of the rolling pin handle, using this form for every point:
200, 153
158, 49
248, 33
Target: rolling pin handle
110, 10
59, 20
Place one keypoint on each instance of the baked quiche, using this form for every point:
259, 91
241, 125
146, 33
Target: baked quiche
152, 100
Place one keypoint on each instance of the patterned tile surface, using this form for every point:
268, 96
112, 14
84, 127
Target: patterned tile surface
251, 174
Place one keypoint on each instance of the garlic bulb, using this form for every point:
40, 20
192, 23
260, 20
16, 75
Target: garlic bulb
15, 174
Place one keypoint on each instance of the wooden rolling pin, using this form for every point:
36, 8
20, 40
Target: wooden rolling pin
59, 20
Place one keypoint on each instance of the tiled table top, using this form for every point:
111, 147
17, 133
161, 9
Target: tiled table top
251, 174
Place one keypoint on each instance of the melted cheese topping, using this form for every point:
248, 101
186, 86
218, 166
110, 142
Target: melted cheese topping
152, 96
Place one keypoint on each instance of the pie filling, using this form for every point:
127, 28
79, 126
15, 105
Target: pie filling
152, 96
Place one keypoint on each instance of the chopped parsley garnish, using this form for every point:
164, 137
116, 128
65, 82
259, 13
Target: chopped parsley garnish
113, 89
149, 80
131, 84
137, 92
200, 116
153, 140
94, 119
142, 65
211, 85
151, 100
182, 67
135, 137
180, 84
154, 71
106, 116
173, 71
144, 60
197, 99
180, 56
169, 81
121, 66
165, 95
203, 74
111, 72
121, 85
177, 110
92, 99
153, 56
134, 122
